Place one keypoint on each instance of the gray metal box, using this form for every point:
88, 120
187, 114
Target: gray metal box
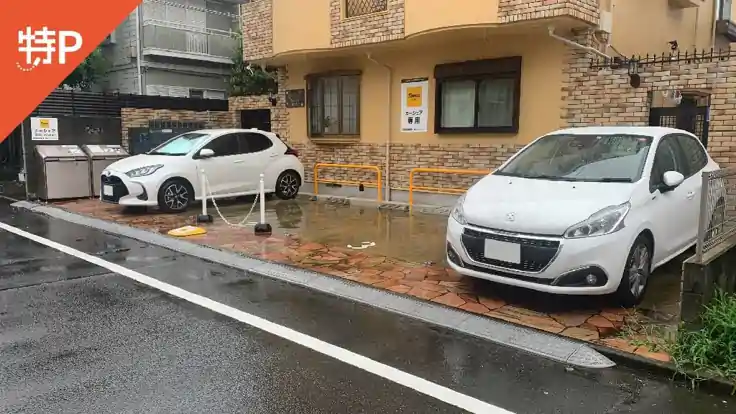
100, 156
65, 172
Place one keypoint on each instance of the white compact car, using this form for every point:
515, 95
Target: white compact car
584, 211
233, 160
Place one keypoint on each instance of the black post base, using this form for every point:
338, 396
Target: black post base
204, 218
263, 229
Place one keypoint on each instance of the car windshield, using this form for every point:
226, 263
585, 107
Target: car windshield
568, 157
180, 145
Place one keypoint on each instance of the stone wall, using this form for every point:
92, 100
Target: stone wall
510, 11
140, 117
257, 18
700, 279
370, 28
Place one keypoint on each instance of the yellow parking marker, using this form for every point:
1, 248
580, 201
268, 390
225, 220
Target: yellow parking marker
187, 231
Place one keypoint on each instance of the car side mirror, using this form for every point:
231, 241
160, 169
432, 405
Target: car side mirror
670, 181
206, 153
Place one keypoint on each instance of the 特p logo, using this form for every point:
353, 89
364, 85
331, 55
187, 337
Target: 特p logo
40, 46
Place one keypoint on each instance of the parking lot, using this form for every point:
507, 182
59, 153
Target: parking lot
404, 253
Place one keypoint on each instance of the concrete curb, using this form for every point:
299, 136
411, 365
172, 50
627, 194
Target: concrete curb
561, 349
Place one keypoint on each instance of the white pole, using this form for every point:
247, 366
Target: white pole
204, 193
262, 199
204, 217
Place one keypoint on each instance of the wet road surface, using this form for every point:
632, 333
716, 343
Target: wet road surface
75, 337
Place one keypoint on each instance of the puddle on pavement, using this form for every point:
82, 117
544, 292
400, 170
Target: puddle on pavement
415, 238
420, 238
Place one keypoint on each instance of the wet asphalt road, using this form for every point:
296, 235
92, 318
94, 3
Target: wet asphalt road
76, 338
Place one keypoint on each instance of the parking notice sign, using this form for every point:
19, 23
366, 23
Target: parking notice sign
44, 129
414, 108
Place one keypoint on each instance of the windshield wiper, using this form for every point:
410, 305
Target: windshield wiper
614, 180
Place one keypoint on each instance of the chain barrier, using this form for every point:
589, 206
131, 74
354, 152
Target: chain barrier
240, 224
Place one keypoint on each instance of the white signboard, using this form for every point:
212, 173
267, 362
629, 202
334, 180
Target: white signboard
414, 105
44, 129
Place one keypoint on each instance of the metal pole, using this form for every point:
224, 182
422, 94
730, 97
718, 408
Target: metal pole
204, 217
25, 156
262, 228
703, 220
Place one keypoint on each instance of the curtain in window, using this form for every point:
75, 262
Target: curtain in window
458, 104
495, 102
331, 120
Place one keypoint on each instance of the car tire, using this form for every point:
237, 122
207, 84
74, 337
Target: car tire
287, 185
636, 275
175, 196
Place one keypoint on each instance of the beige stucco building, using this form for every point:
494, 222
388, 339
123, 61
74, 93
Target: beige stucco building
498, 74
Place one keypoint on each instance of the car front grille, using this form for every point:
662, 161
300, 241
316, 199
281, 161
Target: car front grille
119, 189
536, 254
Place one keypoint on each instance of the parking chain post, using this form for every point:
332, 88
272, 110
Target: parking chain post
262, 228
204, 217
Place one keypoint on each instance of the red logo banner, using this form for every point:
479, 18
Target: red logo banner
42, 41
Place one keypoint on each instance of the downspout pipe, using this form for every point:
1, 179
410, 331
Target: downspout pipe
387, 175
138, 46
576, 45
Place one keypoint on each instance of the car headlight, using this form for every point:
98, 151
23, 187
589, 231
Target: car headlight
457, 211
606, 221
143, 171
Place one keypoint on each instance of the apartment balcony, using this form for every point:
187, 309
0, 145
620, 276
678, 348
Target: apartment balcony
166, 39
274, 28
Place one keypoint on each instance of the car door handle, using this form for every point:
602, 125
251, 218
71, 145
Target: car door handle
691, 195
274, 155
238, 161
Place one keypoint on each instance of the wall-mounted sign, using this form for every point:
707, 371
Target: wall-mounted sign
295, 98
414, 106
44, 129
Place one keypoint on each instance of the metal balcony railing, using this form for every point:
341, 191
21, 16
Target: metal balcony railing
354, 8
190, 40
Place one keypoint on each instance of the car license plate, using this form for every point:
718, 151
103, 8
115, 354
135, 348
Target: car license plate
503, 251
107, 190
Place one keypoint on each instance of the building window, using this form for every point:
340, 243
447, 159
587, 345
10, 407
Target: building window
478, 96
354, 8
333, 102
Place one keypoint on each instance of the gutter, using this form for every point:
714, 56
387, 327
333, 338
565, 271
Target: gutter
387, 175
138, 51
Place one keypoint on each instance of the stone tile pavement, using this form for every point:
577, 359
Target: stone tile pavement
588, 319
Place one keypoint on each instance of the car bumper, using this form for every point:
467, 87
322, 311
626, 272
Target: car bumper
127, 191
564, 273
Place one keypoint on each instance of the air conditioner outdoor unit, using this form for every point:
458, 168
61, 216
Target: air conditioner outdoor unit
605, 22
684, 4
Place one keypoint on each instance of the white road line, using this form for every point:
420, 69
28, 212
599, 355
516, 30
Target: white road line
421, 385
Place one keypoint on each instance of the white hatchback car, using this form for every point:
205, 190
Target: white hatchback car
583, 211
233, 160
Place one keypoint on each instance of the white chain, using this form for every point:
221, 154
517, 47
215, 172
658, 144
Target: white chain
208, 194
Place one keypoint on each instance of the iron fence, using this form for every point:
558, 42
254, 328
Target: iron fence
717, 220
354, 8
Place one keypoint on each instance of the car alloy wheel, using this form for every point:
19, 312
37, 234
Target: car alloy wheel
176, 197
288, 185
638, 270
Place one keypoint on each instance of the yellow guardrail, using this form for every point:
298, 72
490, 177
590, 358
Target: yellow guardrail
439, 190
376, 184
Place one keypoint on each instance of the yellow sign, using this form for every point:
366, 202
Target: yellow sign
414, 96
44, 123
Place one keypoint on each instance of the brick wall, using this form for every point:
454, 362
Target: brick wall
404, 157
138, 118
605, 97
279, 114
371, 28
257, 29
510, 11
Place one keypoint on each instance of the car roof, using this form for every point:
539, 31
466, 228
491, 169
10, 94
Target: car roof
223, 131
652, 131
